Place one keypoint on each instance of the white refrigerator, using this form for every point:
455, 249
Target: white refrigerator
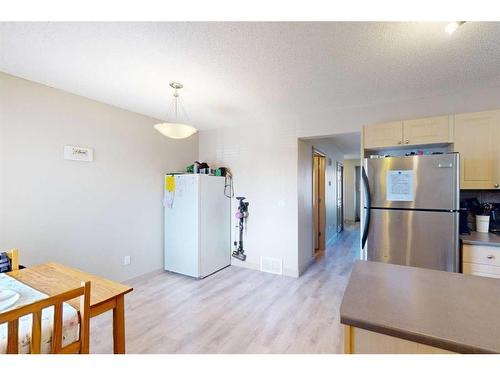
197, 224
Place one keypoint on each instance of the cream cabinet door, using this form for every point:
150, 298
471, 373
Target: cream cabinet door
496, 150
361, 341
476, 139
383, 135
430, 130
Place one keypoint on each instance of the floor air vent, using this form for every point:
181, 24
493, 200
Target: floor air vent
271, 265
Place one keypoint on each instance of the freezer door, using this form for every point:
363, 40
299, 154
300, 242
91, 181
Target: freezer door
414, 238
431, 183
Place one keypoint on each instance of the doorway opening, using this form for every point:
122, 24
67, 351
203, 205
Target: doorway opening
318, 196
340, 197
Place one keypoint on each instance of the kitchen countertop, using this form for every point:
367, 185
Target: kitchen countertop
477, 238
446, 310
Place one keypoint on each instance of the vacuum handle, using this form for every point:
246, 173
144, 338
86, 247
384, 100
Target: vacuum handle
367, 208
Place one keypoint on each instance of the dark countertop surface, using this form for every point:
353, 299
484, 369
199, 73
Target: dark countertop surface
477, 238
452, 311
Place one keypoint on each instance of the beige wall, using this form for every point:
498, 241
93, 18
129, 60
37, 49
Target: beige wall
86, 215
349, 188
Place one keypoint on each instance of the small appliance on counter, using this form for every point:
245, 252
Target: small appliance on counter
495, 218
464, 218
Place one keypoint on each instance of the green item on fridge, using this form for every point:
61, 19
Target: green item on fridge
190, 168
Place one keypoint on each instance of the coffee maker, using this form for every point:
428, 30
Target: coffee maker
495, 218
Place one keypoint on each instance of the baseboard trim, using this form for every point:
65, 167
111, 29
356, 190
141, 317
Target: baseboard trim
146, 275
304, 268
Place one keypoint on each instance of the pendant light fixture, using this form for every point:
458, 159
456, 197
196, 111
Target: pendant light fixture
176, 129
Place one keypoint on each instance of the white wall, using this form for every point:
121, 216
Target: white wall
263, 160
349, 188
86, 215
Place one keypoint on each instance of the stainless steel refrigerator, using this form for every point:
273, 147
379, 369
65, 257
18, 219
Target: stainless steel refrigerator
411, 211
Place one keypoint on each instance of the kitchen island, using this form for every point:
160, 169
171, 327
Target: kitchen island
388, 308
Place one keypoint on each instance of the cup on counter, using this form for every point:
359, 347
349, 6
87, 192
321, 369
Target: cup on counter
482, 223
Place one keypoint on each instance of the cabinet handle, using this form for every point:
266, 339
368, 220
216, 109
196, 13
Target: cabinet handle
399, 142
407, 141
496, 185
490, 257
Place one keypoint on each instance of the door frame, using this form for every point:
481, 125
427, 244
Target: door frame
318, 200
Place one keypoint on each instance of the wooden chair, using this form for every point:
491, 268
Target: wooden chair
81, 346
14, 258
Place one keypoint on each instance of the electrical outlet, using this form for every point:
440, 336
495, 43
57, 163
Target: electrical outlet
126, 260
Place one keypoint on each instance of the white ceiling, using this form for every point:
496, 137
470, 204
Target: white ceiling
348, 143
247, 73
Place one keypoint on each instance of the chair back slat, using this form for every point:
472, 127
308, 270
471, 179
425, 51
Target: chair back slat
57, 328
85, 319
13, 337
36, 332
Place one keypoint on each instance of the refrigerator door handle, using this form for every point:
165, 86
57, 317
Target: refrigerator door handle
368, 204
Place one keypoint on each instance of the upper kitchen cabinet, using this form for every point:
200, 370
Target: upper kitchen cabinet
430, 130
419, 132
477, 139
387, 134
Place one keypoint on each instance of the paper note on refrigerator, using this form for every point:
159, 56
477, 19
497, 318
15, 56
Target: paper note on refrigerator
400, 185
170, 183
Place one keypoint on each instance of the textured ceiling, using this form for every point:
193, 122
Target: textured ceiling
248, 73
348, 143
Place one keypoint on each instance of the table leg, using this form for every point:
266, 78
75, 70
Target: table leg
119, 326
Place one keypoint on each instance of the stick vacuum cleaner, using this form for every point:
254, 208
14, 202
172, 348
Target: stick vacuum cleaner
241, 215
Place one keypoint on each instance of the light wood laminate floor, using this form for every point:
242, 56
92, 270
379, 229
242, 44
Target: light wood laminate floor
238, 310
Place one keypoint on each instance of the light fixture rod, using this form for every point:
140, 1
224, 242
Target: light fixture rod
176, 86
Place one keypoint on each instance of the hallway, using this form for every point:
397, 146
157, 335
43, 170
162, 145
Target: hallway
238, 310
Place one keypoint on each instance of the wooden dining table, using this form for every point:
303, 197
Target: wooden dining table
105, 295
